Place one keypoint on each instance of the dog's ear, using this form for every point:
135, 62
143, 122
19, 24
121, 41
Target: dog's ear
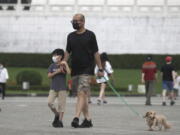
146, 115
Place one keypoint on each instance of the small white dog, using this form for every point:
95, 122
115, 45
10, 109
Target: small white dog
153, 120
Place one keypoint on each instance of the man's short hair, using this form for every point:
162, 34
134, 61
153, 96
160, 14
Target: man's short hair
82, 16
58, 52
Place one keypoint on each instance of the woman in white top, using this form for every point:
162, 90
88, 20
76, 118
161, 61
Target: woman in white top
107, 69
3, 79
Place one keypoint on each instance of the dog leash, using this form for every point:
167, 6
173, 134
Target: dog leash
122, 99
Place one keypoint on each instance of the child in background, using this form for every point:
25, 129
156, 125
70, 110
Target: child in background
107, 69
4, 76
57, 72
177, 86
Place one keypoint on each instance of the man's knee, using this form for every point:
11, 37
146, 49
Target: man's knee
82, 93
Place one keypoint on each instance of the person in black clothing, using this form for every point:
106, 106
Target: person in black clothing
83, 49
168, 76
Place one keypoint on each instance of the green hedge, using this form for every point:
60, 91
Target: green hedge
125, 61
33, 77
25, 60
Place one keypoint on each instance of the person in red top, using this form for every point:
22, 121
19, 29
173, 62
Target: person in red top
149, 75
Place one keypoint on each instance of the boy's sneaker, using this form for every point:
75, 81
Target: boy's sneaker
172, 103
56, 119
58, 124
163, 103
86, 124
99, 102
75, 122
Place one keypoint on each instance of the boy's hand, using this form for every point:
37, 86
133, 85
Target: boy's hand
63, 63
63, 66
59, 70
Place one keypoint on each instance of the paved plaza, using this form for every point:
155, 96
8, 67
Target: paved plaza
31, 116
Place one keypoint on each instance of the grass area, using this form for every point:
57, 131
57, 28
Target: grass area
14, 71
122, 78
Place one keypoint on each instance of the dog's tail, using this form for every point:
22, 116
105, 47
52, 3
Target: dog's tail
166, 124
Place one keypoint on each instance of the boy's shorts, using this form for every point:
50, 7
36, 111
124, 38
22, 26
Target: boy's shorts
81, 82
61, 98
167, 85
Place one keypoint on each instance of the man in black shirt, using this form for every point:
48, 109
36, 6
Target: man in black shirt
83, 48
168, 75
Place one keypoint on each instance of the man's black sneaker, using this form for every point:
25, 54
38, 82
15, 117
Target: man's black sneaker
75, 122
86, 124
172, 103
58, 124
163, 103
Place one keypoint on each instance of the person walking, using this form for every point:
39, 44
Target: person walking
108, 71
168, 77
148, 77
57, 73
176, 86
4, 76
83, 48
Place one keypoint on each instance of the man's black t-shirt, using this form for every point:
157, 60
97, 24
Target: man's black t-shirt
167, 72
82, 48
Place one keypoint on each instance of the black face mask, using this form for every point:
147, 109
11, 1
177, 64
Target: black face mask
75, 25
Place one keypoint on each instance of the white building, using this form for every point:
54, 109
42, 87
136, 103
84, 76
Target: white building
121, 26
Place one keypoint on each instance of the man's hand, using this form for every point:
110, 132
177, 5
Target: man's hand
100, 73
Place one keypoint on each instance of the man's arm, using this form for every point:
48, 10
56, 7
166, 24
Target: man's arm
98, 60
174, 75
156, 76
66, 56
98, 63
142, 78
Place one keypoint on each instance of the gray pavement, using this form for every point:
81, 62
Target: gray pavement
31, 116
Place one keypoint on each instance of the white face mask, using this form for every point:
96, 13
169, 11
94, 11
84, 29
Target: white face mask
54, 59
1, 66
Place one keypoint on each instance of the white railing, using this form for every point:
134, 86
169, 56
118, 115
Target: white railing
95, 7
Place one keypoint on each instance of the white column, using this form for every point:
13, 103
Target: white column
165, 12
76, 5
135, 8
105, 8
47, 7
18, 7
